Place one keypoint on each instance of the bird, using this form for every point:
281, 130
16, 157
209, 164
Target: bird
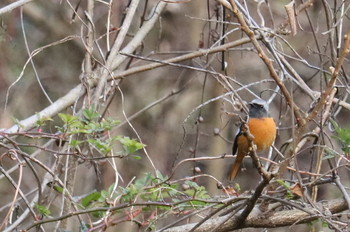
261, 126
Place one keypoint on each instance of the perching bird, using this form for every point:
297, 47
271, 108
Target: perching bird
261, 126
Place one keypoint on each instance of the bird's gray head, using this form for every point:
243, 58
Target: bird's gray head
258, 108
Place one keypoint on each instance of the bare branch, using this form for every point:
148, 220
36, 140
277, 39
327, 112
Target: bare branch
277, 219
13, 6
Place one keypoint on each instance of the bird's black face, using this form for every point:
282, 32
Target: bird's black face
257, 110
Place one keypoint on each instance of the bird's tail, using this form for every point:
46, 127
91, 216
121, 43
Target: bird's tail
235, 167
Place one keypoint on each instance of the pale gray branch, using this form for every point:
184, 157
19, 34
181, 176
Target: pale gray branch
79, 90
115, 60
124, 29
116, 47
13, 5
49, 111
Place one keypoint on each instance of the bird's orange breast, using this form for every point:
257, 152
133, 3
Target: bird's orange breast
264, 132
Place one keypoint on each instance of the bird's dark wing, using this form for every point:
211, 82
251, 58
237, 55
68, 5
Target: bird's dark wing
239, 158
235, 143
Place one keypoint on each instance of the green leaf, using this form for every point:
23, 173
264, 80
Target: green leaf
329, 154
324, 224
55, 186
143, 182
58, 188
192, 184
86, 201
74, 143
197, 203
286, 185
130, 145
103, 197
72, 123
196, 190
17, 122
283, 183
237, 187
65, 117
160, 177
93, 127
110, 189
343, 136
41, 120
98, 214
173, 190
90, 114
42, 210
101, 145
136, 157
107, 124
